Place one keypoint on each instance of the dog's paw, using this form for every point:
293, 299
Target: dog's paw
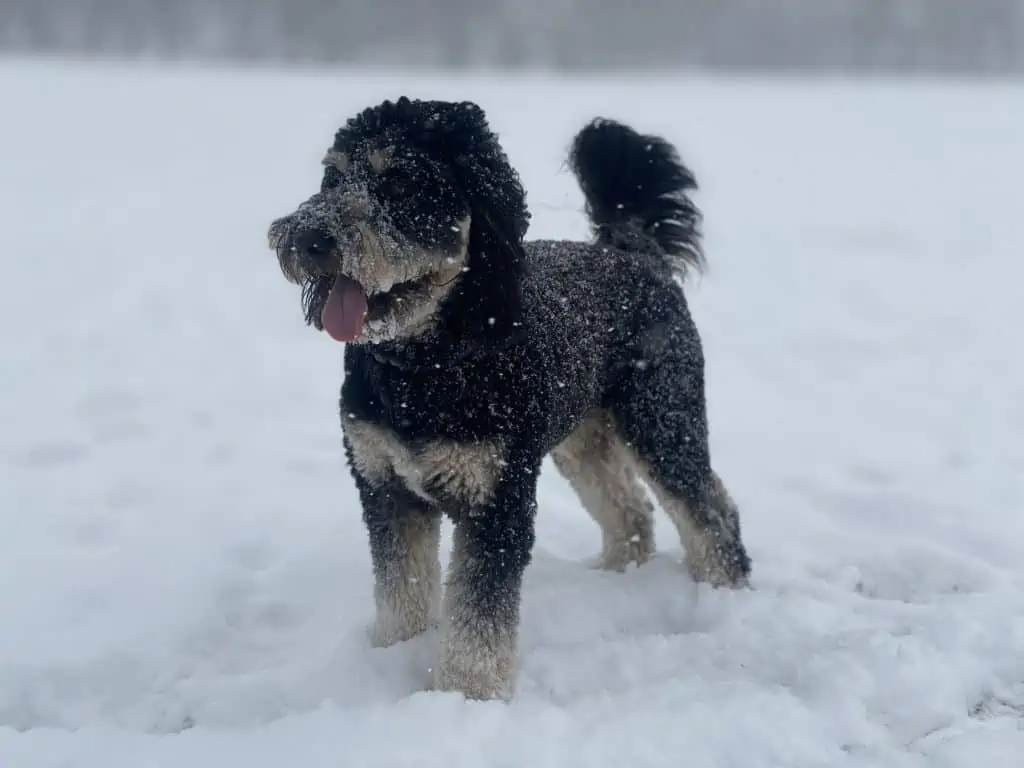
721, 567
619, 554
480, 671
386, 631
481, 684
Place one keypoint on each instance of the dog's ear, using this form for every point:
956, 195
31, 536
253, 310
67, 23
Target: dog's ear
487, 307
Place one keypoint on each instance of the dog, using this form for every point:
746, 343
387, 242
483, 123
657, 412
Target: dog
471, 355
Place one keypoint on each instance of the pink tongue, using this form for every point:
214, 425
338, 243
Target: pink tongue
342, 315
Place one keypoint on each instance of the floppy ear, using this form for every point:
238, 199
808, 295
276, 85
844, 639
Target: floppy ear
488, 307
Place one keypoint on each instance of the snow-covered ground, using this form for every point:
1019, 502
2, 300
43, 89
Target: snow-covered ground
184, 579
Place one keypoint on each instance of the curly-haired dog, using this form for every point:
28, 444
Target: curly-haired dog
472, 355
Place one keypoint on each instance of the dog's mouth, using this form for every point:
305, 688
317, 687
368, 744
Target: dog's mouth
344, 312
349, 306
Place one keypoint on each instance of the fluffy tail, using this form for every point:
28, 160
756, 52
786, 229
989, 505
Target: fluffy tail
635, 187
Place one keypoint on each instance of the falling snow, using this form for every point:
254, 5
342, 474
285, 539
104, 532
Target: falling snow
187, 581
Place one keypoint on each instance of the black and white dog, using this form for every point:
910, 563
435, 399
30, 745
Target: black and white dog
471, 355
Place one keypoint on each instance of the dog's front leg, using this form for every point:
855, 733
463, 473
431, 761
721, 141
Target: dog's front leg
480, 620
405, 536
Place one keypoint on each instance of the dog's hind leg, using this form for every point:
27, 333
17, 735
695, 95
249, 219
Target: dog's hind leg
661, 412
599, 468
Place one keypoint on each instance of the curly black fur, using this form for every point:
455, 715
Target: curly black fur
635, 187
584, 351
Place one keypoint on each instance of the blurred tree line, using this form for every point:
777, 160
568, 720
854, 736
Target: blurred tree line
903, 35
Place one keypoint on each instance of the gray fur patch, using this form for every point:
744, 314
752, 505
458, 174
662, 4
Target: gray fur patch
466, 472
600, 468
407, 592
340, 160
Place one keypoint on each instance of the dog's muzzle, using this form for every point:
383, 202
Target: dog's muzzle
314, 245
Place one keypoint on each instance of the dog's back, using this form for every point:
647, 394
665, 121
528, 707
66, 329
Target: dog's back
595, 311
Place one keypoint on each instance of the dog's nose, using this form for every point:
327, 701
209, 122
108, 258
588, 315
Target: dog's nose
314, 243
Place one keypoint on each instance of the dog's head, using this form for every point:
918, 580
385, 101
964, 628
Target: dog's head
417, 227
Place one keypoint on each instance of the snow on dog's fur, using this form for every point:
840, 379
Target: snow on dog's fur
472, 354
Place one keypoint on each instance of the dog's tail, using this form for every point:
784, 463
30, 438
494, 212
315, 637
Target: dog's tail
636, 191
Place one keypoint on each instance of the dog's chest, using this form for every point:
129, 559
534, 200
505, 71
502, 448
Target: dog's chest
436, 470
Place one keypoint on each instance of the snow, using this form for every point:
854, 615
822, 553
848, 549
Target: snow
185, 579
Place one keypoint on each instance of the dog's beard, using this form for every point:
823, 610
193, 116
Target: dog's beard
350, 312
315, 290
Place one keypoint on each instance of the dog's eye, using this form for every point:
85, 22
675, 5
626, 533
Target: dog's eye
394, 185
